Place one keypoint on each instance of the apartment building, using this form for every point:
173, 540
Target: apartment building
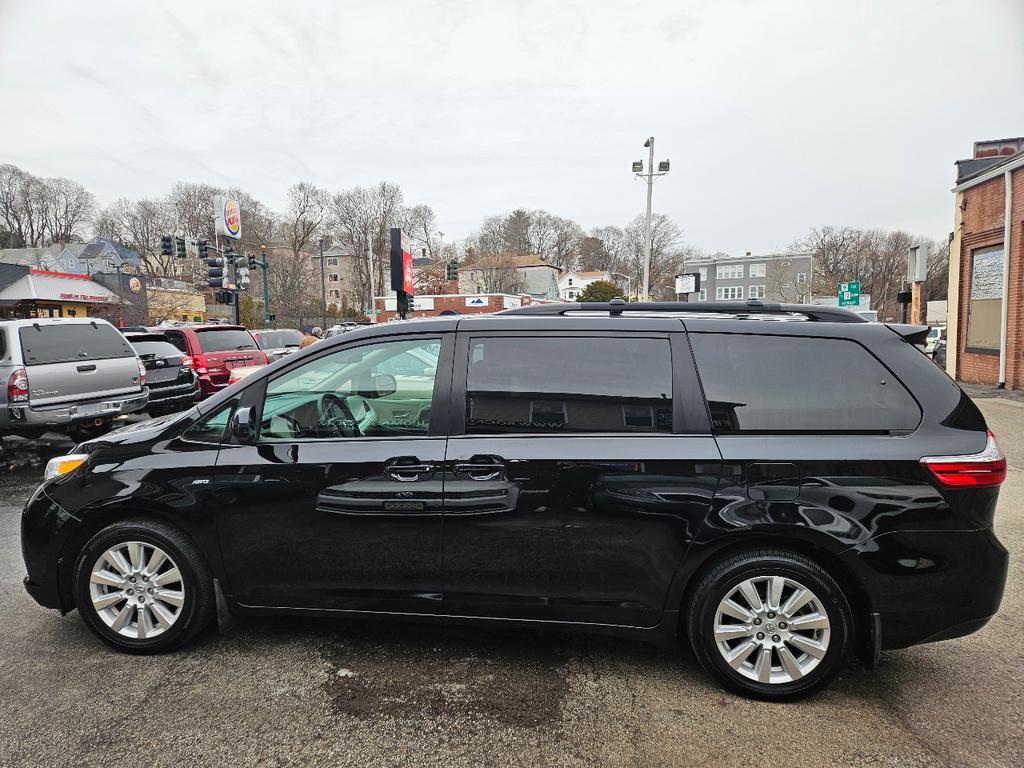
772, 278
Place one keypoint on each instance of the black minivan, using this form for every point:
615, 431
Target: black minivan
777, 486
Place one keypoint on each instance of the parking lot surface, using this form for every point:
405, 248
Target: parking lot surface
285, 692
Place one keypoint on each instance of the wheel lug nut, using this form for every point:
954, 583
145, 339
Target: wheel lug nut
131, 579
782, 624
151, 590
131, 591
757, 622
776, 638
771, 614
760, 635
142, 599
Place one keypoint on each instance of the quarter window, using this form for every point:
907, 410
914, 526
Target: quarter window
375, 390
564, 384
986, 304
782, 384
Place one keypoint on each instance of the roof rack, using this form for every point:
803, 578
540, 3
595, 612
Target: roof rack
749, 308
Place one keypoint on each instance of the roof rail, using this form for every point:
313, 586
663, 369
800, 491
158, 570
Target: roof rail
617, 307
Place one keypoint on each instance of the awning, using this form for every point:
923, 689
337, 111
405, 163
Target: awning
59, 288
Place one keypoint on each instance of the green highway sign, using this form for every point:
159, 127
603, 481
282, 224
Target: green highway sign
373, 311
849, 294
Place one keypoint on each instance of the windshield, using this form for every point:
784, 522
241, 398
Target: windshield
279, 339
216, 340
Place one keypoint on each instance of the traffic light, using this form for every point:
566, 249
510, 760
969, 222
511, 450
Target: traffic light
242, 277
215, 272
252, 262
452, 270
229, 254
166, 246
179, 248
204, 248
223, 297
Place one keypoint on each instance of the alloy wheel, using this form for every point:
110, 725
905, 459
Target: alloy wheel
137, 590
772, 629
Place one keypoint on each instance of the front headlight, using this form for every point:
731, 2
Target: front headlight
61, 465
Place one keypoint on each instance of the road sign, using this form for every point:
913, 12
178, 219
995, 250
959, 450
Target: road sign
849, 294
688, 283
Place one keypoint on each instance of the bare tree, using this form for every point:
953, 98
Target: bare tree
68, 208
191, 206
666, 253
138, 225
23, 203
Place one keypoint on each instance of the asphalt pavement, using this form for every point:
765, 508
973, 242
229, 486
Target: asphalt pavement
308, 693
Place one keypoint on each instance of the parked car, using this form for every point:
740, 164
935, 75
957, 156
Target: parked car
340, 328
278, 343
215, 350
237, 374
936, 334
659, 474
173, 384
69, 374
939, 354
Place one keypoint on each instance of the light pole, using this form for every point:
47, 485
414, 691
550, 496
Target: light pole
323, 287
638, 169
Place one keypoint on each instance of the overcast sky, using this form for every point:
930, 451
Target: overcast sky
777, 115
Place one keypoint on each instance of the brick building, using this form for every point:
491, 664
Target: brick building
986, 267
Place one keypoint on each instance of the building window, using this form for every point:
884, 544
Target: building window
756, 292
703, 272
333, 277
727, 293
729, 271
986, 303
570, 279
801, 277
702, 295
332, 262
757, 270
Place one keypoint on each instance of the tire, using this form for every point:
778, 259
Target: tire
771, 660
172, 609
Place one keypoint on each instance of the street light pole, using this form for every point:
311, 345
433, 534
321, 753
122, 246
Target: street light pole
638, 169
647, 220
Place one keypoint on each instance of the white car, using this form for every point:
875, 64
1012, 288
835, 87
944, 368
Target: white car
934, 335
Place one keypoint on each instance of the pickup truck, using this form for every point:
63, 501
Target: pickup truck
74, 375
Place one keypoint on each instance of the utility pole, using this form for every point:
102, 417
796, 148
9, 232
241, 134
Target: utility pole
323, 286
649, 176
265, 266
369, 261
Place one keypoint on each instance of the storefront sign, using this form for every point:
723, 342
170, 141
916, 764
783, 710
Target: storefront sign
227, 216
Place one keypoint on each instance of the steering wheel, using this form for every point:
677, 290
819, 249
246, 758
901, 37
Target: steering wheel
334, 414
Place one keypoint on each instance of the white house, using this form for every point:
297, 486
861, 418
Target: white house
571, 284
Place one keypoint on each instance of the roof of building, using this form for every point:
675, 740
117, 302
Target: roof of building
971, 168
57, 286
533, 260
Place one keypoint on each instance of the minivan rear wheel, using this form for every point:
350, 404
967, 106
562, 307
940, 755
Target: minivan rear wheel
770, 624
142, 587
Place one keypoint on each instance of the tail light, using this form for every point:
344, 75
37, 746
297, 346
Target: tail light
142, 373
186, 362
17, 386
199, 363
976, 469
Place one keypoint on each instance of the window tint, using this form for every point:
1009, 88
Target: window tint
212, 428
60, 343
228, 339
792, 384
178, 340
565, 384
375, 390
157, 348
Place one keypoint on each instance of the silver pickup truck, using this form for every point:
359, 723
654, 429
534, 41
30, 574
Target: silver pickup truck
66, 374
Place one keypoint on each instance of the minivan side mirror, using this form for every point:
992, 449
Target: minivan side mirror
241, 424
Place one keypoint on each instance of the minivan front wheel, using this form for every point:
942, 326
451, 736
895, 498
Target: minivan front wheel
770, 624
142, 587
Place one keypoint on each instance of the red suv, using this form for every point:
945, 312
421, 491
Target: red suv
214, 350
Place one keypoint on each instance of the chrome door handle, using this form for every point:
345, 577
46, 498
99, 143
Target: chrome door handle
479, 471
407, 473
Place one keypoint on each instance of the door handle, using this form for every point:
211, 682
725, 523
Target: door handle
86, 368
406, 470
480, 470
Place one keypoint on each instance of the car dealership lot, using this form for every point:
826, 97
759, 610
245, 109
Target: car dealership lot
281, 692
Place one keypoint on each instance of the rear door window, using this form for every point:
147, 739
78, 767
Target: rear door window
562, 384
788, 384
60, 343
156, 348
226, 340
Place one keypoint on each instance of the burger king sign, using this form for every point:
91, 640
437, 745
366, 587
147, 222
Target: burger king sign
227, 216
